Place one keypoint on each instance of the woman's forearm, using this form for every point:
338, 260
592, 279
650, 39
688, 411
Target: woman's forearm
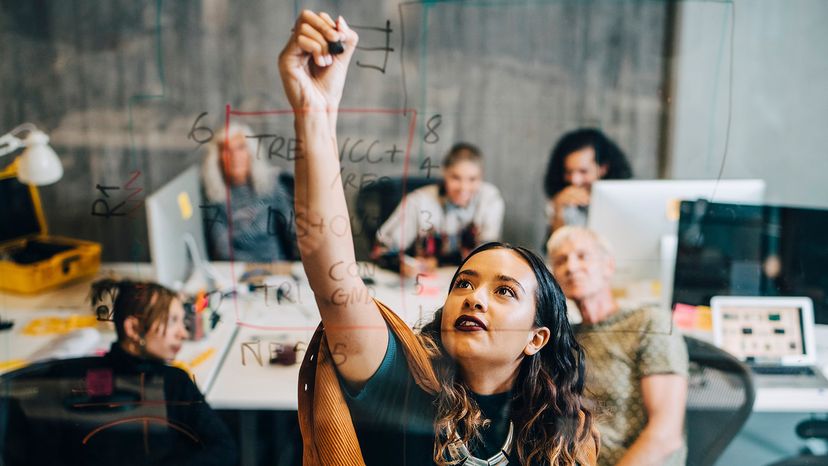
313, 81
320, 201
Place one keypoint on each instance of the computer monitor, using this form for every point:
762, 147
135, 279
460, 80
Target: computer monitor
634, 215
176, 232
752, 250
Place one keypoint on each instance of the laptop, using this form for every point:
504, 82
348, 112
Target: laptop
774, 336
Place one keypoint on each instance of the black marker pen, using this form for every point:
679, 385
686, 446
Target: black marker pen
335, 48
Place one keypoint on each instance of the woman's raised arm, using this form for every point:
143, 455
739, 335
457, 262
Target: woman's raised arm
313, 79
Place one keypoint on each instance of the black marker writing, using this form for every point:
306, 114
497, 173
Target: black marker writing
104, 314
338, 354
425, 217
363, 294
104, 189
101, 206
427, 166
362, 181
280, 147
107, 212
277, 352
284, 292
387, 48
418, 287
257, 352
212, 215
431, 136
361, 150
200, 134
420, 323
340, 270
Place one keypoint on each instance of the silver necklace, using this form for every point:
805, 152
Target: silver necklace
499, 459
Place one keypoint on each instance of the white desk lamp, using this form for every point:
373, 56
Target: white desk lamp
39, 164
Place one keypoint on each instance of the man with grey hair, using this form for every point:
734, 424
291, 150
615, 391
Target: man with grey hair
636, 363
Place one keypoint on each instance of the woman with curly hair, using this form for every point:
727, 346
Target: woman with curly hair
580, 158
496, 378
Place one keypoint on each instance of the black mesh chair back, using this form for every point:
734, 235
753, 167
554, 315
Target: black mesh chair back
719, 401
808, 429
77, 411
377, 201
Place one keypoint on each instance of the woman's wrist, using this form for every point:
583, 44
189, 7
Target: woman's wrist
312, 122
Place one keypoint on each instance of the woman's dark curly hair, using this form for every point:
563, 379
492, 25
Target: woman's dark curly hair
606, 153
548, 408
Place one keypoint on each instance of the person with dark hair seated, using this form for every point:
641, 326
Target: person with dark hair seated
441, 223
127, 407
149, 322
580, 158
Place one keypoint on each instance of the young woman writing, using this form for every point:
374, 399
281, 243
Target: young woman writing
496, 378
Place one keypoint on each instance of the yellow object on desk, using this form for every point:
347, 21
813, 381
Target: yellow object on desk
205, 355
687, 317
195, 362
12, 364
58, 325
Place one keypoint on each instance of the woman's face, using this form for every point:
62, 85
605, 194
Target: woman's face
165, 343
462, 181
581, 169
489, 314
235, 159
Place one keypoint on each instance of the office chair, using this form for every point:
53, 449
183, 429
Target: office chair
811, 428
77, 411
287, 182
719, 400
377, 201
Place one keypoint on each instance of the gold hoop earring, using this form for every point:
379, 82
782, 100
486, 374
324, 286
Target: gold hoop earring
142, 343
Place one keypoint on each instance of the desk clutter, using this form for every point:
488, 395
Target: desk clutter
201, 313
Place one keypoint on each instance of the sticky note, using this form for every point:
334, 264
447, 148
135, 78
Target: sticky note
704, 318
684, 316
689, 317
673, 210
184, 205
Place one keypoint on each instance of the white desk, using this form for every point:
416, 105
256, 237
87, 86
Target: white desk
252, 383
798, 400
228, 384
265, 386
249, 381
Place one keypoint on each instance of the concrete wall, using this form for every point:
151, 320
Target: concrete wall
772, 82
762, 64
118, 86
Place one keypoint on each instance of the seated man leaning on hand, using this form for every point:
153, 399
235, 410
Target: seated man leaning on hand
636, 363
